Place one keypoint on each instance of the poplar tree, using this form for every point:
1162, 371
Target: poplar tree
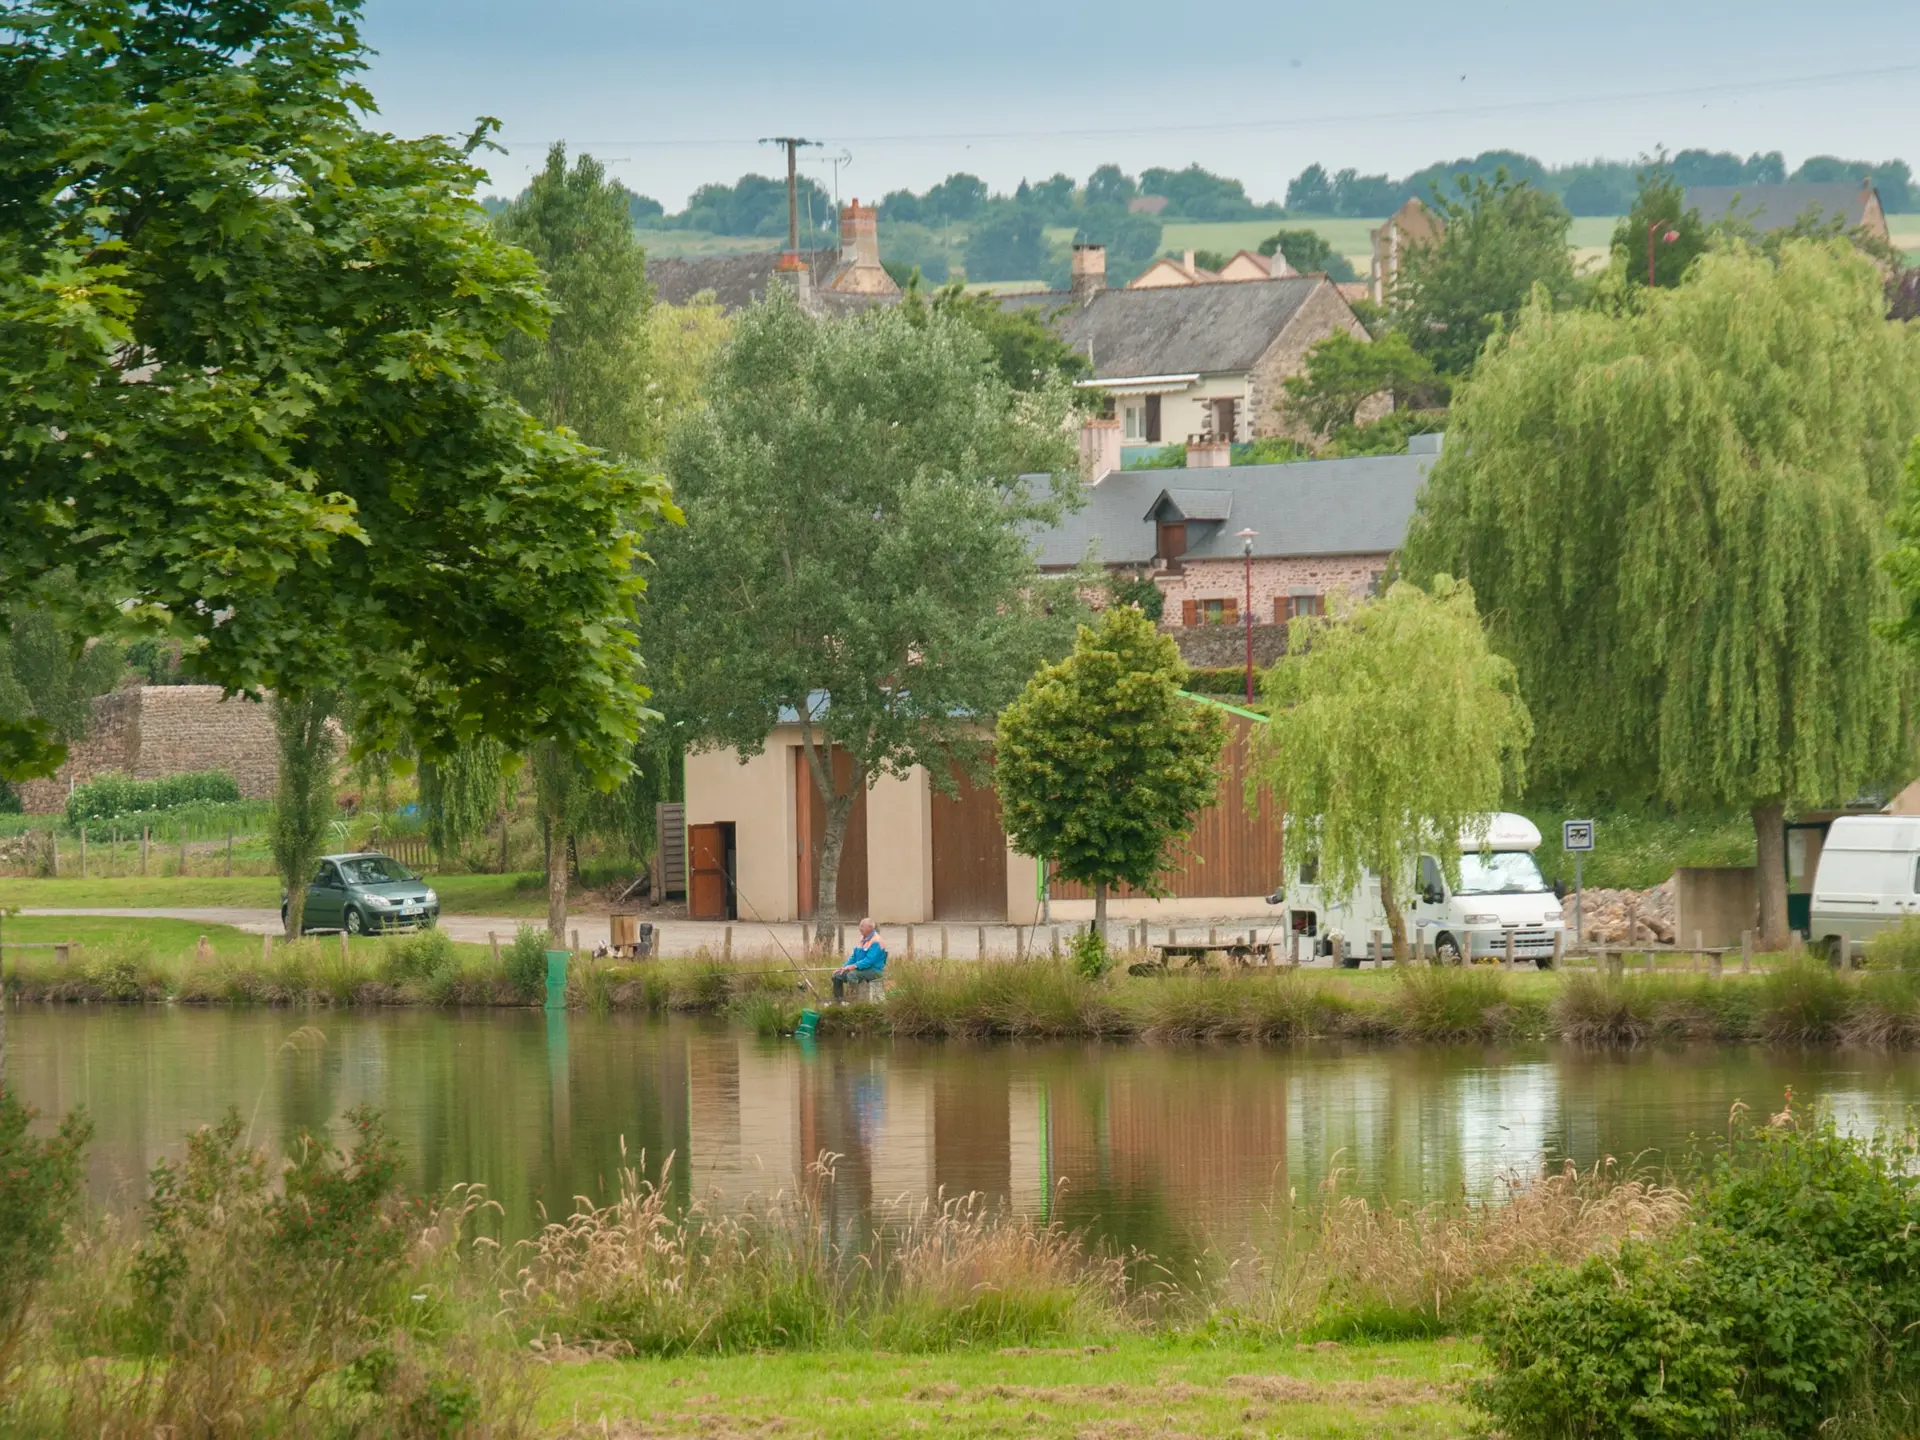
1672, 514
1395, 729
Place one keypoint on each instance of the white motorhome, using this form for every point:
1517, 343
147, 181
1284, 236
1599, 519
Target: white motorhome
1868, 878
1501, 891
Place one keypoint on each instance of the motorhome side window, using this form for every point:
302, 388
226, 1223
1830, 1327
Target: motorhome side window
1431, 880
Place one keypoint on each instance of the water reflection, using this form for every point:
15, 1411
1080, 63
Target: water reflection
1161, 1148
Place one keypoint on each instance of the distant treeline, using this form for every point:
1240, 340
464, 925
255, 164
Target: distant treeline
757, 205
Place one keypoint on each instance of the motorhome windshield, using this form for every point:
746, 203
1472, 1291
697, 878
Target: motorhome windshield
1506, 872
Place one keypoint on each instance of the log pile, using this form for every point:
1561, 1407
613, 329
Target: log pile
1606, 915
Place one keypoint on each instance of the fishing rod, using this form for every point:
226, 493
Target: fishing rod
758, 919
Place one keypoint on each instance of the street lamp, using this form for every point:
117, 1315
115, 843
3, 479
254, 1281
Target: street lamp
1666, 239
1246, 552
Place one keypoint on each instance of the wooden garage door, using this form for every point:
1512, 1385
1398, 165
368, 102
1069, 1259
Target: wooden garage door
1232, 850
811, 828
969, 854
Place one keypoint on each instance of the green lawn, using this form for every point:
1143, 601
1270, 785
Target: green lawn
515, 895
1132, 1388
174, 942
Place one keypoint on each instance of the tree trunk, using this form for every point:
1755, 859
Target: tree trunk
1100, 910
554, 781
557, 895
1770, 854
1396, 920
826, 877
303, 799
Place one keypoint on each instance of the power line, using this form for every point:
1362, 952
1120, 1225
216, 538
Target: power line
1445, 112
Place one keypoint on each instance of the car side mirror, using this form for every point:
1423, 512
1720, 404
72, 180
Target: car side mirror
1431, 895
1559, 889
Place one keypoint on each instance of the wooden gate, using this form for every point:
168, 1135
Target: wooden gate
811, 828
707, 872
670, 850
1232, 850
969, 854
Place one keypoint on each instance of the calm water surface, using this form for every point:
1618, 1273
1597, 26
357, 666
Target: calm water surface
1150, 1146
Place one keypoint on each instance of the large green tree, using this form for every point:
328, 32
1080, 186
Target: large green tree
249, 386
1344, 372
1672, 514
1101, 763
1502, 238
858, 494
1395, 729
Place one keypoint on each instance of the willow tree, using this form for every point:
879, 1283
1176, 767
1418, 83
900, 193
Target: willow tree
1395, 729
1672, 515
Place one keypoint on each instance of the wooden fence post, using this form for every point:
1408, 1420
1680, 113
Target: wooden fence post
1213, 935
83, 852
183, 848
909, 942
266, 951
1559, 948
54, 835
943, 942
493, 943
1846, 952
1019, 944
144, 836
1746, 952
726, 944
981, 938
345, 952
229, 850
1054, 945
1698, 946
1373, 946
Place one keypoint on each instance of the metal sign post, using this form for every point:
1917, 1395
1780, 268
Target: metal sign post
1577, 836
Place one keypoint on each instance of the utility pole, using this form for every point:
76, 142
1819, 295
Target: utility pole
792, 144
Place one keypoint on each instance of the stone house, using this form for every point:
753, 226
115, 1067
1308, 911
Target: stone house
1412, 224
1244, 265
1767, 208
150, 731
1198, 360
832, 282
1320, 528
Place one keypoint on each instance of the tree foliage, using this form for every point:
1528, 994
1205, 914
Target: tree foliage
1502, 238
1026, 351
50, 674
1310, 253
1101, 764
588, 371
248, 385
1673, 515
1344, 371
1679, 236
1395, 729
858, 494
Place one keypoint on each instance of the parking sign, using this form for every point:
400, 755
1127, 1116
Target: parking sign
1576, 835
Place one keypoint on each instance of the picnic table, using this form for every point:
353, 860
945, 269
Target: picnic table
1199, 955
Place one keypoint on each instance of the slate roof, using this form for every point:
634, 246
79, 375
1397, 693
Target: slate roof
1357, 506
1776, 207
739, 280
1182, 329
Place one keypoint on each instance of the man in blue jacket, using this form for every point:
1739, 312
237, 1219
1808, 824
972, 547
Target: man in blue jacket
868, 961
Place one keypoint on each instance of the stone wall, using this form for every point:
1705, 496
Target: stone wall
1324, 312
1216, 647
1273, 579
148, 731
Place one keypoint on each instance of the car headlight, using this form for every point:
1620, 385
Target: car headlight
1551, 916
432, 898
379, 902
1483, 920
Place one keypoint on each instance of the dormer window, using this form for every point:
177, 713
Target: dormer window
1172, 540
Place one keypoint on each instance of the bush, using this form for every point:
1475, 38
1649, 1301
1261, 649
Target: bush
39, 1183
526, 961
426, 954
111, 796
1896, 948
1089, 955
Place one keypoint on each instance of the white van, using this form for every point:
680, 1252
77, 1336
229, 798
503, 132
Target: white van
1500, 890
1868, 878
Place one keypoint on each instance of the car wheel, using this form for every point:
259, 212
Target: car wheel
355, 924
1446, 949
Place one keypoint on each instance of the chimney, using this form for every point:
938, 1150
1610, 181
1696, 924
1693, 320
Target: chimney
1205, 454
1099, 447
1191, 268
793, 269
1089, 273
859, 235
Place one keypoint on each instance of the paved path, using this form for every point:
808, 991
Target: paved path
773, 942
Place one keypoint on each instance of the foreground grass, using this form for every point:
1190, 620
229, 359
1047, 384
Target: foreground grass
1131, 1387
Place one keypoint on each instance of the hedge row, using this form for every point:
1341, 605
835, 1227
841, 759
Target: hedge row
113, 796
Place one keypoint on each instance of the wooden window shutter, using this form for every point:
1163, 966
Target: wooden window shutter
1230, 613
1153, 419
1189, 612
1281, 613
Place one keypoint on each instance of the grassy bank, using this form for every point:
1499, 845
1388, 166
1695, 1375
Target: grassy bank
521, 895
1786, 1002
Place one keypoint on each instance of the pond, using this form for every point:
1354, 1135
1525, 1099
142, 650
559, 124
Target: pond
1160, 1147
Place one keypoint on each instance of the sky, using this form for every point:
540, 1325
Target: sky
671, 96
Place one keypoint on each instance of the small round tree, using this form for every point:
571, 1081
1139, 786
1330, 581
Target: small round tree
1101, 764
1394, 729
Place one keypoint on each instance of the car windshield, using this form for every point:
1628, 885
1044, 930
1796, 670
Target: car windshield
1506, 872
376, 870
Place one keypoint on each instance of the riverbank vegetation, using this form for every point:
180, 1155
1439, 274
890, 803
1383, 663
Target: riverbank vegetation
1788, 1000
310, 1295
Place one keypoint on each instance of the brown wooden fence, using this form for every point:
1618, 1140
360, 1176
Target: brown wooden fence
1233, 850
413, 851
